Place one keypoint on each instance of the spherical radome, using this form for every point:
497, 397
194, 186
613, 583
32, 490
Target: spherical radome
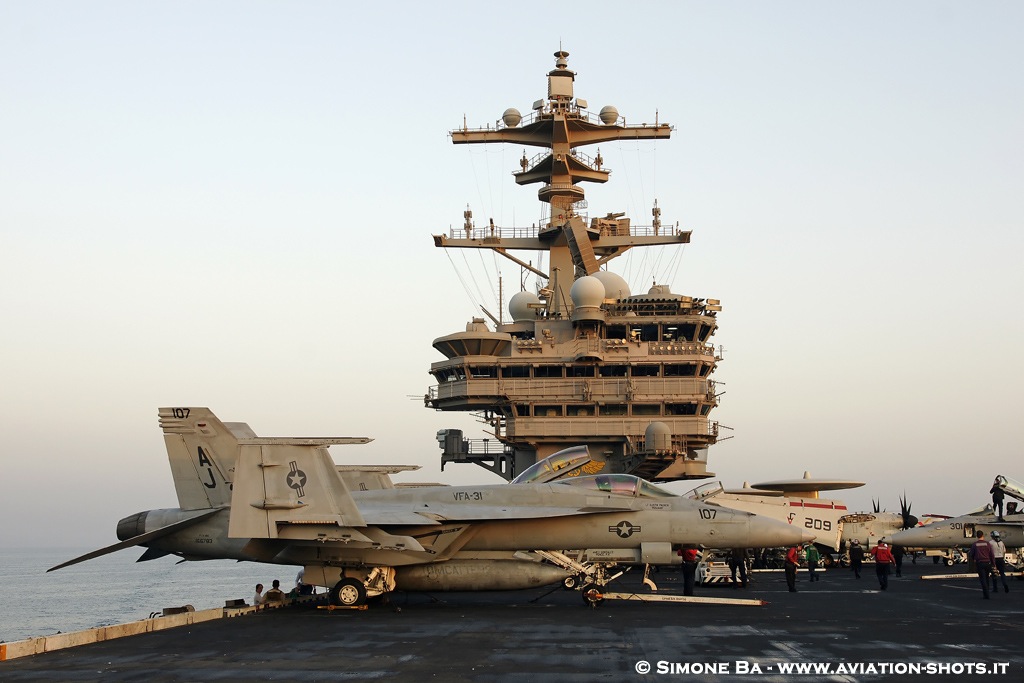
609, 115
511, 117
587, 292
615, 286
519, 306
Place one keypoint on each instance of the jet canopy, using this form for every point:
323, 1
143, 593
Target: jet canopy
618, 484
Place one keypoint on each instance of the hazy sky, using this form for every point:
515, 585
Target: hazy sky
230, 204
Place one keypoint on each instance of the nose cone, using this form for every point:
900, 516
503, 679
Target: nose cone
769, 533
921, 537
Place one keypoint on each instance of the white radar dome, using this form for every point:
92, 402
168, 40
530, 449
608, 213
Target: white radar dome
523, 306
615, 286
609, 115
511, 117
658, 437
660, 290
587, 292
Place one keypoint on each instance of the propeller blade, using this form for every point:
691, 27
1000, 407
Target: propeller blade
909, 520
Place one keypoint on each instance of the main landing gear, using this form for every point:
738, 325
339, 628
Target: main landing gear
348, 593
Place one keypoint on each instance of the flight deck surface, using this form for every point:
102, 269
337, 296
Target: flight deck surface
538, 636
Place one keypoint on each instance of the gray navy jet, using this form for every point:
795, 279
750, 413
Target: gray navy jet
285, 501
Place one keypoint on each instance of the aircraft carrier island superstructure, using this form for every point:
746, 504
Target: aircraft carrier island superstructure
583, 360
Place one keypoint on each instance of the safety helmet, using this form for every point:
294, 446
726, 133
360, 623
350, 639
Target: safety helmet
995, 534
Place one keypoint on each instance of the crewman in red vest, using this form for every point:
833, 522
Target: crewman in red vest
883, 562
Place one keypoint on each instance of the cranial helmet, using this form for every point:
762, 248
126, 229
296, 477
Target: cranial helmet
995, 534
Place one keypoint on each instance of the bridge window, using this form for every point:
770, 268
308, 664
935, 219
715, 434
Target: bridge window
681, 408
613, 370
451, 374
581, 371
616, 332
547, 411
647, 333
548, 371
515, 371
581, 411
484, 371
681, 370
613, 409
645, 370
647, 409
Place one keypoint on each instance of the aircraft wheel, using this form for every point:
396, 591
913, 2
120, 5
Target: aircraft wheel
828, 561
949, 562
348, 593
570, 582
592, 594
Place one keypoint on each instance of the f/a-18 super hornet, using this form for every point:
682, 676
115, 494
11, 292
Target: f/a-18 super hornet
960, 531
285, 501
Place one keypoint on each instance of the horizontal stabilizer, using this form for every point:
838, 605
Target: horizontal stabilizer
371, 477
202, 452
140, 539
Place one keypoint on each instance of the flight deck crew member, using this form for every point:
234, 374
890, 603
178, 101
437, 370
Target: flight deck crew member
275, 594
738, 561
897, 554
883, 561
998, 561
301, 587
258, 598
813, 557
997, 498
856, 557
981, 553
690, 556
792, 561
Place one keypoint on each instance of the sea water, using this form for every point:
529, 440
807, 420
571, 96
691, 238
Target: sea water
114, 588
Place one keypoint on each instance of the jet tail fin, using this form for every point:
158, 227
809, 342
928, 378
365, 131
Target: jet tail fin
202, 451
291, 488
